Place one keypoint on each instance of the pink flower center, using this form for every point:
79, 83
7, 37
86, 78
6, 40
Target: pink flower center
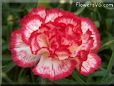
58, 41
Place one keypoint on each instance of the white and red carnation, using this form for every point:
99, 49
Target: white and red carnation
55, 42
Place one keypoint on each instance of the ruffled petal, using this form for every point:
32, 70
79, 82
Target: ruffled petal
21, 52
88, 25
67, 20
33, 43
53, 14
54, 69
38, 41
88, 66
62, 53
39, 11
30, 24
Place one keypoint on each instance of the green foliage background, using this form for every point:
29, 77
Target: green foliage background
104, 20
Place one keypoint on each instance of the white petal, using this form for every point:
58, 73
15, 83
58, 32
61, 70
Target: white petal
53, 69
21, 52
91, 64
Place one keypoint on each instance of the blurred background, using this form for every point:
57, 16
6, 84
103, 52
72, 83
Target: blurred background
103, 18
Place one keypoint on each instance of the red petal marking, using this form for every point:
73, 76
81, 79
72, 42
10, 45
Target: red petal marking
21, 52
82, 55
69, 30
87, 42
77, 29
50, 25
33, 43
29, 25
68, 20
53, 14
86, 36
39, 11
89, 25
90, 65
73, 36
65, 41
54, 44
49, 29
38, 41
43, 29
54, 69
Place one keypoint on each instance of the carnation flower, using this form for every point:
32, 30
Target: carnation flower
55, 42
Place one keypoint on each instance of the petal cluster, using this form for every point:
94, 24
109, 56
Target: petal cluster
55, 42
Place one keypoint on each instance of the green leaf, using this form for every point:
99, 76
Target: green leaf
106, 45
99, 73
79, 11
20, 75
76, 76
112, 79
111, 62
4, 76
109, 79
8, 67
109, 68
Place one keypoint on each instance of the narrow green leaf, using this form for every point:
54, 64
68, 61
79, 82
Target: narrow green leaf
80, 10
109, 79
98, 73
4, 76
106, 45
111, 62
112, 80
109, 68
20, 75
32, 77
76, 76
9, 67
